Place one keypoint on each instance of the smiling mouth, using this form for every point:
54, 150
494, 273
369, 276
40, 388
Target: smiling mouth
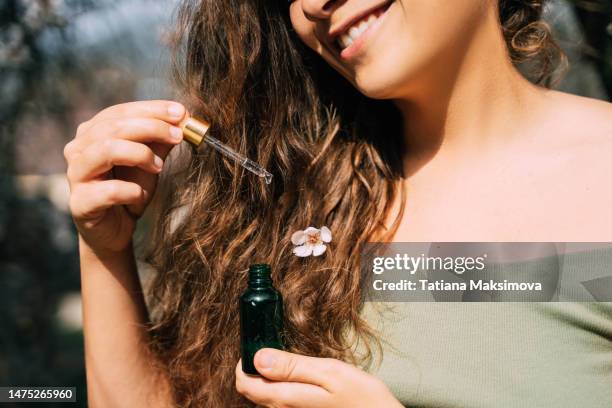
353, 32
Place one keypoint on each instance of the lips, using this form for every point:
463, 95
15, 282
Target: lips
350, 30
353, 33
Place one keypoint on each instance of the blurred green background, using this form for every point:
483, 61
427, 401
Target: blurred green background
60, 62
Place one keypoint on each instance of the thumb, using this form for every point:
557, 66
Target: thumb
280, 365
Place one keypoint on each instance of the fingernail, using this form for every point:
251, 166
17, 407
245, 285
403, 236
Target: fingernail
176, 110
158, 162
176, 133
266, 360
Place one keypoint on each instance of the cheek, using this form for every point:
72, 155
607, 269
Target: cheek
304, 28
439, 23
417, 35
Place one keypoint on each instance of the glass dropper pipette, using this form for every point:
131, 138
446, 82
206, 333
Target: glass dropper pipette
194, 132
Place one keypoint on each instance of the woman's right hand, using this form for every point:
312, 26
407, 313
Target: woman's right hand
113, 166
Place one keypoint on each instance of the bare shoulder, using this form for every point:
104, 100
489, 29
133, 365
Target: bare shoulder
577, 128
583, 119
581, 130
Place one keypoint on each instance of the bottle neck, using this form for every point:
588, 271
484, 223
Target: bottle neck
259, 276
260, 283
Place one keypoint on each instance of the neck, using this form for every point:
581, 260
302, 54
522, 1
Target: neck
463, 109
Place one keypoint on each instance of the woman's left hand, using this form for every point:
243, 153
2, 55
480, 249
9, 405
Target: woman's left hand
296, 381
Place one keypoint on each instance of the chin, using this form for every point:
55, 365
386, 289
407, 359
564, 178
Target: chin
393, 77
380, 83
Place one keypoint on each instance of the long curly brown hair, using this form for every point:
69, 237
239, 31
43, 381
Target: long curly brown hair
274, 100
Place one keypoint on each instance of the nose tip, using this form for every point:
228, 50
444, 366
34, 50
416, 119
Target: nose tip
318, 9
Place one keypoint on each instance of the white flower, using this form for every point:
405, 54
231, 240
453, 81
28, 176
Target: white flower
310, 241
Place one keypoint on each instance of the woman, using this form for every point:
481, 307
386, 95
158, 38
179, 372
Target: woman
384, 121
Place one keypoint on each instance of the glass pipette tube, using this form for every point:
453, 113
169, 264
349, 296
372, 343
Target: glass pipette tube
194, 132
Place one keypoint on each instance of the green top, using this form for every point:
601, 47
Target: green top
539, 354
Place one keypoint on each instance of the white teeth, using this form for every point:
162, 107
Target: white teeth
361, 27
356, 30
345, 41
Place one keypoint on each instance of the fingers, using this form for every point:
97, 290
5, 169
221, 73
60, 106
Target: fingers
270, 393
169, 111
142, 130
138, 130
87, 199
280, 365
164, 110
100, 157
133, 138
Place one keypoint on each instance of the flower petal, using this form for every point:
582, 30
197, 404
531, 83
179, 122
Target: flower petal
298, 238
326, 235
312, 231
303, 250
318, 249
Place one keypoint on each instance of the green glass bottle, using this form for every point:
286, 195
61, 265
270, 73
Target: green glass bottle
261, 316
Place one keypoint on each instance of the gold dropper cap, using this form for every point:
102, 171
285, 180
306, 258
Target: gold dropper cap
194, 129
